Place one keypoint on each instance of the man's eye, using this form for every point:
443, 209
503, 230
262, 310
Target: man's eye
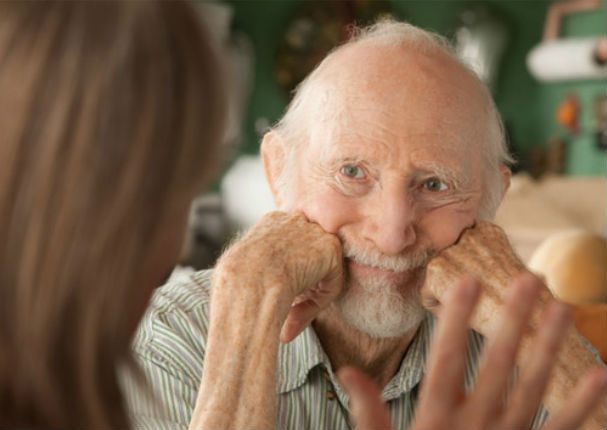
353, 172
435, 185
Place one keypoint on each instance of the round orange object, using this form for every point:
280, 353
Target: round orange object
574, 266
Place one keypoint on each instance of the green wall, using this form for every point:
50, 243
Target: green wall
527, 106
584, 158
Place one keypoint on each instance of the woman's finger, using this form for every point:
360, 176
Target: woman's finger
535, 375
367, 410
442, 385
500, 354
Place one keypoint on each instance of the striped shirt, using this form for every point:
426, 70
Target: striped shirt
170, 346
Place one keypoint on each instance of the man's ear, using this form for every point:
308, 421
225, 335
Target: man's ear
506, 175
273, 157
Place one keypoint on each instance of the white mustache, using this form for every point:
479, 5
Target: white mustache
374, 258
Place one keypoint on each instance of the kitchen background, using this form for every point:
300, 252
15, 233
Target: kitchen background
545, 64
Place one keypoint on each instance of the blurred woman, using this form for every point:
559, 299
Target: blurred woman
110, 118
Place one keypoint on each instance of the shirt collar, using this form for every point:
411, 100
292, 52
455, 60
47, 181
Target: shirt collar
414, 362
297, 358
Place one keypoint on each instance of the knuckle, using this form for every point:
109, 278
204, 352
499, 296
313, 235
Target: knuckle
332, 244
273, 216
333, 241
298, 217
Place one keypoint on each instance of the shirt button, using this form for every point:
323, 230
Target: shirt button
330, 395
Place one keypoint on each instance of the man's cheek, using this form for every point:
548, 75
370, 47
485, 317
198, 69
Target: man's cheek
444, 227
330, 210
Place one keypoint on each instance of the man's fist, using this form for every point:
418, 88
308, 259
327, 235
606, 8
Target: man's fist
484, 253
287, 255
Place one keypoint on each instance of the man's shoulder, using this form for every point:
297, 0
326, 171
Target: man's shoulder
169, 348
183, 293
177, 310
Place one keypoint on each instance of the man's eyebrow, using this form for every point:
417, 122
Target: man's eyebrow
456, 176
335, 160
347, 159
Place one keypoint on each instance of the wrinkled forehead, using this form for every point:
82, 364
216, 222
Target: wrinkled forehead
392, 94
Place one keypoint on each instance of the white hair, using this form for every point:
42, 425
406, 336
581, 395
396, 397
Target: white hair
378, 309
293, 128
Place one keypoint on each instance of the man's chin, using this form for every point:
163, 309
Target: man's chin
386, 310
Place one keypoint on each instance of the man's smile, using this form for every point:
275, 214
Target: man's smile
359, 270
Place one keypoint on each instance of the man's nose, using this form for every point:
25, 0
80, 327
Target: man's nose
391, 223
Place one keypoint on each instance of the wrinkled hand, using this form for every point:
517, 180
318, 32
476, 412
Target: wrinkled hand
288, 253
443, 403
268, 285
484, 253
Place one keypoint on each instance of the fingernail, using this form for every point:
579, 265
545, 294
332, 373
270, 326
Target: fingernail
529, 286
561, 312
465, 290
344, 376
600, 381
471, 288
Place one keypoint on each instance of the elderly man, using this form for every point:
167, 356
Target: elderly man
390, 149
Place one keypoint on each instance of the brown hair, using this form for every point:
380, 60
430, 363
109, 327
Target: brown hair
110, 115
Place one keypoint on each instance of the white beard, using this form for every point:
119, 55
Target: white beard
380, 307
